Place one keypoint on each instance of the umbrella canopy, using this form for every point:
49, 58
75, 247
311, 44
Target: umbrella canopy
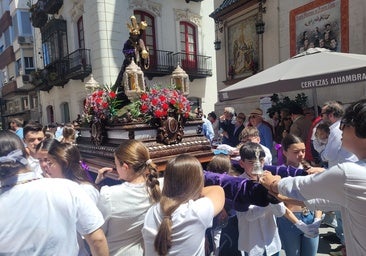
317, 67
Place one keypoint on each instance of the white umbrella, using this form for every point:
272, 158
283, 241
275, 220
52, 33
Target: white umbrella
317, 67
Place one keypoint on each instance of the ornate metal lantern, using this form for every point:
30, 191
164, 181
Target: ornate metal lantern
180, 80
91, 85
133, 81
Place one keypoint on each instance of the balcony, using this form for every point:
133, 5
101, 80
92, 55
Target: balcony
8, 88
160, 64
52, 6
196, 66
5, 21
163, 63
78, 64
7, 57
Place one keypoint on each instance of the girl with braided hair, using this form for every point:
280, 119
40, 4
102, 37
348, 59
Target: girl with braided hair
124, 206
177, 225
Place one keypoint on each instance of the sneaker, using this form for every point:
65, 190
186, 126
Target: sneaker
339, 251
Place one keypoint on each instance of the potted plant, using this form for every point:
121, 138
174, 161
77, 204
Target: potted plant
38, 16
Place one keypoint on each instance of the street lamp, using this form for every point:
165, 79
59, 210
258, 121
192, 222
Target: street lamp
259, 25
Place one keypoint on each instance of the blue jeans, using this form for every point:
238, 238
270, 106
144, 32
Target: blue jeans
339, 228
294, 243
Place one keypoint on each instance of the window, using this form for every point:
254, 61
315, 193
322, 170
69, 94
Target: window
149, 35
25, 104
26, 27
28, 65
188, 45
65, 114
18, 67
54, 41
80, 26
33, 101
50, 115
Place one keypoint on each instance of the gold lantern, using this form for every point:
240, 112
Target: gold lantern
180, 80
133, 81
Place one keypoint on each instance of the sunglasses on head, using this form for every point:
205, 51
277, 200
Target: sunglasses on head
345, 123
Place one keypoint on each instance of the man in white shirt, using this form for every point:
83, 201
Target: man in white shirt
334, 153
343, 185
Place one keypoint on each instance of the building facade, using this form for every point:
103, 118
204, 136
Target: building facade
247, 51
76, 40
18, 97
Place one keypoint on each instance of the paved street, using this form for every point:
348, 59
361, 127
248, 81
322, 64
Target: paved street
327, 241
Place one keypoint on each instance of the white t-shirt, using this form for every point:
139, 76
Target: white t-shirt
344, 187
190, 222
258, 232
43, 216
124, 207
93, 193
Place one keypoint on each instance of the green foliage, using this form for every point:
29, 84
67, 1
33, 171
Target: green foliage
301, 100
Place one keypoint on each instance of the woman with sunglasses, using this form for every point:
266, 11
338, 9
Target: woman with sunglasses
341, 187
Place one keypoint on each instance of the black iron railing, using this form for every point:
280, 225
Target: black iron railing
196, 66
78, 64
164, 62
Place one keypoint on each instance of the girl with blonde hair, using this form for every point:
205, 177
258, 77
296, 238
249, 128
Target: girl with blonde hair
124, 205
177, 225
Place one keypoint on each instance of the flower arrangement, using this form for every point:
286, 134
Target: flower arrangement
160, 103
101, 105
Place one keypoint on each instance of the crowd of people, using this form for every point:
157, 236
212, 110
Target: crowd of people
228, 209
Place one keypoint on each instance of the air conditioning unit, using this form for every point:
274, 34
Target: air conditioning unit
25, 39
29, 40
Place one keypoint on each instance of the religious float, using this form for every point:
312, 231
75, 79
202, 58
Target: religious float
159, 116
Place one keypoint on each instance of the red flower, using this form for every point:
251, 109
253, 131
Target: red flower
112, 95
162, 98
144, 96
165, 106
154, 102
144, 108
